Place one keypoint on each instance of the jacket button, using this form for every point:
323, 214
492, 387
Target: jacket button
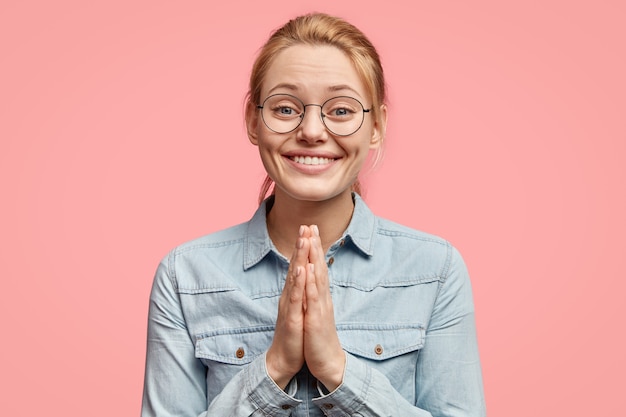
285, 406
331, 261
240, 353
328, 406
378, 350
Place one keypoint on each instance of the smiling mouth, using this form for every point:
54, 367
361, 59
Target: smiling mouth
311, 160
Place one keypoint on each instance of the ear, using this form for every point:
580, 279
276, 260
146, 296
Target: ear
252, 122
380, 126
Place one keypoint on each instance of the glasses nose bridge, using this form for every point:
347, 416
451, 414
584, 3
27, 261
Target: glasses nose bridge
304, 106
314, 105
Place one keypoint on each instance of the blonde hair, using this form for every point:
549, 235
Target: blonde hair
321, 29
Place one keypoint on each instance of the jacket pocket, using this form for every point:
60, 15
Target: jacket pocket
226, 352
379, 341
392, 349
234, 346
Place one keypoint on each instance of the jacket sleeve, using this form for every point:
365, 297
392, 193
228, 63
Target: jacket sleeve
448, 379
175, 380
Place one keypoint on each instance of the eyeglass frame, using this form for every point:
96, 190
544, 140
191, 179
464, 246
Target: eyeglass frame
304, 106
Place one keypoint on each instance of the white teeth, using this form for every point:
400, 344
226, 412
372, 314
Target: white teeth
312, 160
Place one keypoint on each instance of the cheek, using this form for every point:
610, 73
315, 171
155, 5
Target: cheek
365, 142
268, 148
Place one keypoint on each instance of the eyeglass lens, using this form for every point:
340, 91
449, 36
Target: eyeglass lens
342, 116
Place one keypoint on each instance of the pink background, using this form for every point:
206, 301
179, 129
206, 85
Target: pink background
122, 136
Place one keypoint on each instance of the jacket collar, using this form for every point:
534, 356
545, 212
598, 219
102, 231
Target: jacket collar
257, 242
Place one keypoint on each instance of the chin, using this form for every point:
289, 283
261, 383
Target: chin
314, 194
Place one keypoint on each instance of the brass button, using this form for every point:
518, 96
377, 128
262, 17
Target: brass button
343, 242
328, 406
240, 353
331, 261
378, 350
285, 406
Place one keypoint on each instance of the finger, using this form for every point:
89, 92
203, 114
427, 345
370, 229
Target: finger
292, 297
296, 290
305, 231
316, 244
300, 253
303, 246
293, 292
310, 290
318, 258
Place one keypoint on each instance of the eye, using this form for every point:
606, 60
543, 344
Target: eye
283, 107
340, 111
287, 111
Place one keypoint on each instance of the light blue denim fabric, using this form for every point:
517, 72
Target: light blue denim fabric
404, 315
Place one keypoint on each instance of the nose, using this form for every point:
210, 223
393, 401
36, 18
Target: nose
312, 128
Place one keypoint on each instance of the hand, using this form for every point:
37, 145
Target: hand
285, 356
305, 327
323, 353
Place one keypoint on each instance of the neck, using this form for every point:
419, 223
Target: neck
287, 215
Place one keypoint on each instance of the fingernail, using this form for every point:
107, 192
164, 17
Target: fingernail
316, 231
311, 268
300, 243
298, 270
301, 231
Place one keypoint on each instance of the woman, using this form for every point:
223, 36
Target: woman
315, 306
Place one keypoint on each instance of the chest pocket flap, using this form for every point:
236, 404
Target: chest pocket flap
234, 346
381, 341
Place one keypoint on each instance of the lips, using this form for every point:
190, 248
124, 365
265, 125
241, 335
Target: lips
311, 160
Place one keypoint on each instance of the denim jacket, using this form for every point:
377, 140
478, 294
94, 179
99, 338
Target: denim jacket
403, 310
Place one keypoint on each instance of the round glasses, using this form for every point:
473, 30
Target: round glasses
342, 116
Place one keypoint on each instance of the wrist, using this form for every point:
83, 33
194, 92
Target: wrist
333, 378
275, 372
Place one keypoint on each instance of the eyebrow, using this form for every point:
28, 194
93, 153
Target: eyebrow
331, 89
287, 86
342, 87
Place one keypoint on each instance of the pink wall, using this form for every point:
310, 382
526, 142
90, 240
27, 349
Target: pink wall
122, 136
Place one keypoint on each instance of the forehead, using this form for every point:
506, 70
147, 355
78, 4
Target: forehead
313, 72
